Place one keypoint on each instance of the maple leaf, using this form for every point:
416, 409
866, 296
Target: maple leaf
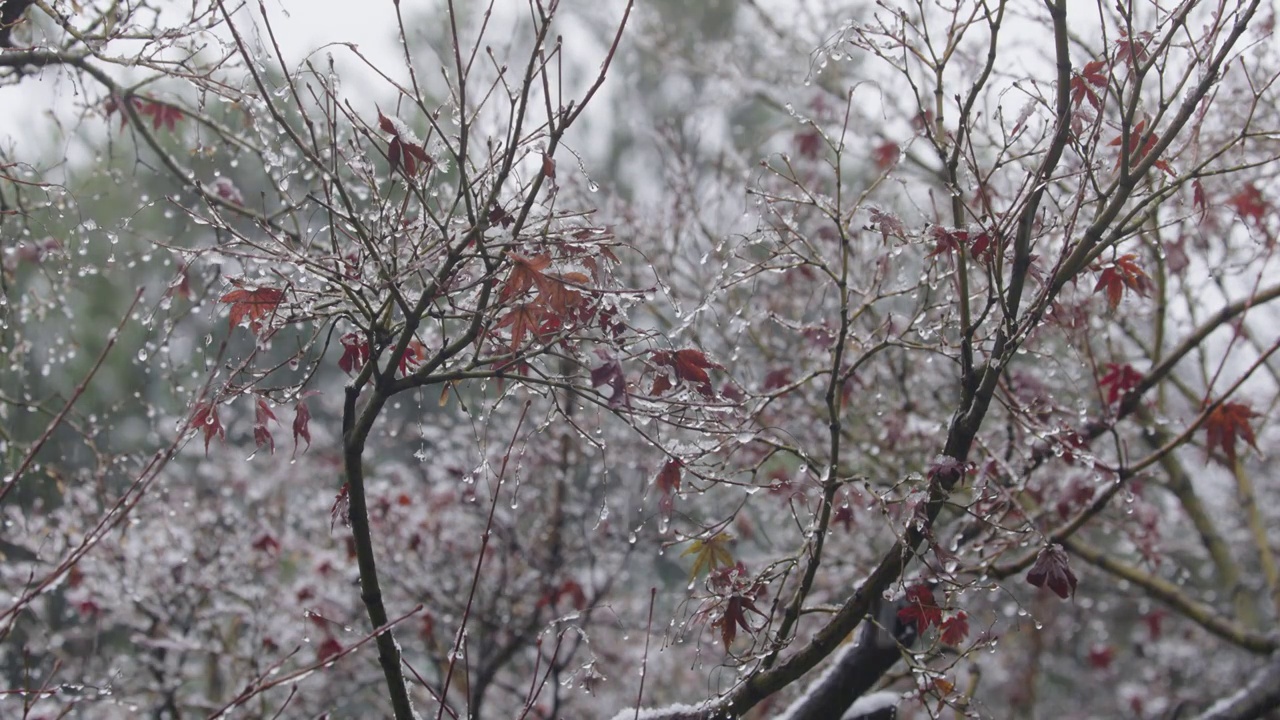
955, 628
1123, 272
885, 155
668, 480
690, 365
1053, 570
557, 291
301, 425
1119, 380
571, 588
1199, 199
205, 418
253, 304
611, 375
709, 554
1133, 49
1250, 204
735, 616
888, 224
1226, 424
161, 114
526, 272
1086, 83
355, 352
921, 608
328, 649
262, 415
947, 240
340, 511
809, 143
524, 319
414, 355
1135, 153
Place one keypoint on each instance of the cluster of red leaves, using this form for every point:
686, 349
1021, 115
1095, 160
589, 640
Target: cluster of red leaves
1124, 272
413, 156
558, 298
1053, 570
689, 365
1118, 380
1227, 424
739, 594
254, 304
921, 608
161, 114
1086, 84
1139, 147
355, 352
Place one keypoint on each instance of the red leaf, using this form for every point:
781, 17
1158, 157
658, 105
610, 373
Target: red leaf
610, 374
1123, 273
571, 588
809, 143
414, 355
1119, 380
1100, 656
921, 608
955, 628
341, 509
252, 304
1085, 85
1226, 424
301, 424
386, 125
661, 384
1198, 199
668, 480
262, 415
735, 616
328, 649
393, 155
160, 114
1250, 204
1052, 569
267, 543
885, 155
206, 420
690, 365
355, 353
549, 166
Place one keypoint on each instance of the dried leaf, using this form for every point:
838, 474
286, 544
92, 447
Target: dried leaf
1053, 570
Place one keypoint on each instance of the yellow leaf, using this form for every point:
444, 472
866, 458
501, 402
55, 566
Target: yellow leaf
709, 554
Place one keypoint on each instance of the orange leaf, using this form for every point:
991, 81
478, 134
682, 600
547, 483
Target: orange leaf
523, 319
525, 273
252, 304
1227, 423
